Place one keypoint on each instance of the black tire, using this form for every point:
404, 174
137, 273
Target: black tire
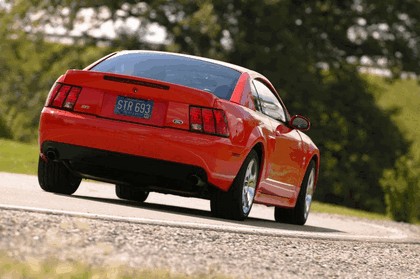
236, 203
299, 214
130, 193
56, 178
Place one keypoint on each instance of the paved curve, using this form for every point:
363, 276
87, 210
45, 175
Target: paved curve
98, 200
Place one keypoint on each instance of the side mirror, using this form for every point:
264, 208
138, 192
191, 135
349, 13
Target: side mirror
299, 122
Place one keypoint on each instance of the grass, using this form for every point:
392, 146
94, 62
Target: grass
341, 210
33, 268
18, 157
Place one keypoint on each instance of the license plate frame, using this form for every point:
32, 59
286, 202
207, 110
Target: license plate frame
139, 108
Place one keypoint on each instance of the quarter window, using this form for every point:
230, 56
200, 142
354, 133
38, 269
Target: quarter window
270, 104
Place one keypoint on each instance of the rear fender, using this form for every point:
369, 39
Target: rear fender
311, 153
248, 130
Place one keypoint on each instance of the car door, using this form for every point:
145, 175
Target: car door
284, 162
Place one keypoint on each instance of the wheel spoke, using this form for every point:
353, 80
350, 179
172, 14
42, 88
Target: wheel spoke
249, 184
309, 191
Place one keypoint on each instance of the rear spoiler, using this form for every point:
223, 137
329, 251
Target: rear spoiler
149, 88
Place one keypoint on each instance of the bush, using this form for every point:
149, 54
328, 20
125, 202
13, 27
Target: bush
402, 189
4, 129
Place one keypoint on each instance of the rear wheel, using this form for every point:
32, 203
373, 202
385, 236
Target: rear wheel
237, 202
130, 193
56, 178
299, 214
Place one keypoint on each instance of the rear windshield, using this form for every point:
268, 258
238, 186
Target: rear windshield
217, 79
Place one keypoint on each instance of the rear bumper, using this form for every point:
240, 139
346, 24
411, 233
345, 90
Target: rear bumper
118, 168
116, 151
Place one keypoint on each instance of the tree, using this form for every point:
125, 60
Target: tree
29, 66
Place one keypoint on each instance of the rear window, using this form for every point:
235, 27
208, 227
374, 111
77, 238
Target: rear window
217, 79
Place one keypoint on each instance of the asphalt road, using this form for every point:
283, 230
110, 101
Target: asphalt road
98, 201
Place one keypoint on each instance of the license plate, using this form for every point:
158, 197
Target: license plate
133, 107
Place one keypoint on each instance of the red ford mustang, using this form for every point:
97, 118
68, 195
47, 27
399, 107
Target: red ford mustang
155, 121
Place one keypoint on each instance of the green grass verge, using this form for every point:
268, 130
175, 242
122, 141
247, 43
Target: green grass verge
35, 269
341, 210
18, 157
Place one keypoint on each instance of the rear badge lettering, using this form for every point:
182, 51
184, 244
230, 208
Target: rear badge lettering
178, 121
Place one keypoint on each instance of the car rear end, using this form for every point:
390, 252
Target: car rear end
145, 119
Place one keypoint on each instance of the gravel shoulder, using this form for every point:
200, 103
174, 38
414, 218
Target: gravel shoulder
26, 235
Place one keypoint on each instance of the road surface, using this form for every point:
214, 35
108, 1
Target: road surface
98, 200
178, 234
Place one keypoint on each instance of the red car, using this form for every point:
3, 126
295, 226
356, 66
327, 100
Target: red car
164, 122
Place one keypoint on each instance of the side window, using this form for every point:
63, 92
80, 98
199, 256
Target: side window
269, 103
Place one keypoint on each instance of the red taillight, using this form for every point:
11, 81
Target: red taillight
63, 96
196, 119
72, 97
52, 94
60, 96
208, 121
221, 122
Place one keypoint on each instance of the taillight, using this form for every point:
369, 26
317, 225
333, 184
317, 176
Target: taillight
196, 119
63, 96
208, 121
221, 122
52, 94
72, 97
60, 96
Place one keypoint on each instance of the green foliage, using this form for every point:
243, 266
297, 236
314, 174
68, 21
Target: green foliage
52, 268
399, 182
4, 129
29, 66
402, 189
402, 97
354, 152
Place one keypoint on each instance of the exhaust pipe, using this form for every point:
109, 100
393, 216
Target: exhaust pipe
196, 180
52, 154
